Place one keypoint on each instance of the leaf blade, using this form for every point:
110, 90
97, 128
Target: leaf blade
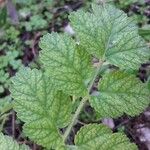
39, 105
7, 143
120, 93
64, 63
94, 136
108, 34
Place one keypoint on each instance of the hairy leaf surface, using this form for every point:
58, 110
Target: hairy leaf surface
41, 108
7, 143
100, 137
108, 34
120, 93
68, 65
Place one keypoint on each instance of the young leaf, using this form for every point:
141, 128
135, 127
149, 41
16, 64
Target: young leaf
66, 64
120, 93
41, 108
108, 34
94, 136
7, 143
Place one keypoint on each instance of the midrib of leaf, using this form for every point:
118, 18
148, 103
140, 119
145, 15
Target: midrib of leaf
45, 97
68, 65
110, 35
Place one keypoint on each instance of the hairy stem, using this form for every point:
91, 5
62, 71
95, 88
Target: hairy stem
75, 117
94, 77
82, 104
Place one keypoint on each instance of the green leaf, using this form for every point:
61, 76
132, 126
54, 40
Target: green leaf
41, 108
1, 89
120, 93
5, 104
94, 136
127, 3
7, 143
36, 23
144, 31
3, 16
4, 77
108, 34
66, 63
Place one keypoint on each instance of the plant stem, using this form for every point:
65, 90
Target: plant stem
94, 77
3, 119
75, 117
82, 104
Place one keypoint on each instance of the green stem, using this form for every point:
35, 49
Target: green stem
3, 119
75, 117
82, 104
95, 75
